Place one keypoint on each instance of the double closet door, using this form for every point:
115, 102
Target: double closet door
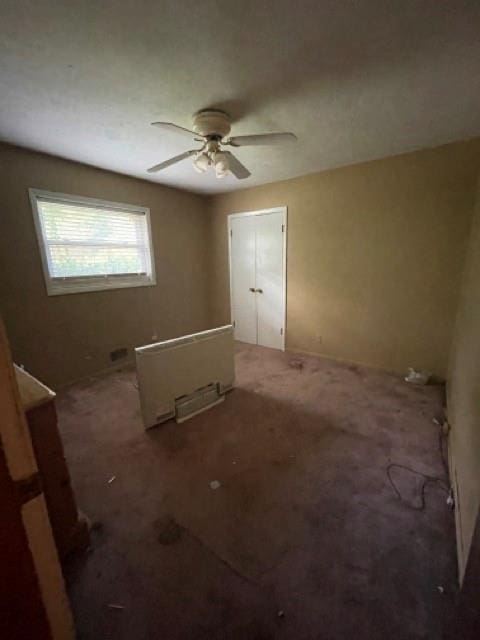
257, 276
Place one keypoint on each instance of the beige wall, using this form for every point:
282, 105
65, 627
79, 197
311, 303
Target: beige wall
464, 398
66, 337
375, 253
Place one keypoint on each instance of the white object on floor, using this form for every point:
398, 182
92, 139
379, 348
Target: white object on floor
184, 376
215, 484
417, 377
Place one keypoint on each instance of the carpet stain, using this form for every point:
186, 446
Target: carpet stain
168, 531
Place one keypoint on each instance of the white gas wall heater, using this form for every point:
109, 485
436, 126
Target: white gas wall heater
181, 377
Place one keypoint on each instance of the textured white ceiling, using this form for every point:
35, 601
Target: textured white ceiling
354, 80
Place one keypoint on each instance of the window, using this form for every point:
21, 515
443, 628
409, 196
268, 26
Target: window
88, 245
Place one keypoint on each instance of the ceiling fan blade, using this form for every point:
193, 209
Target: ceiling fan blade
174, 128
236, 167
168, 163
264, 138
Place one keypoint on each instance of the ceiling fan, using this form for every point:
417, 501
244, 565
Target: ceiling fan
211, 127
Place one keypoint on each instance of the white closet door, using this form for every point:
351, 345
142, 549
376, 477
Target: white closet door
269, 279
242, 258
257, 277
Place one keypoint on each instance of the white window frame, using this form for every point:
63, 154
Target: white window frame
82, 284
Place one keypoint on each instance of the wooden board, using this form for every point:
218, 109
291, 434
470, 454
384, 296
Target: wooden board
33, 393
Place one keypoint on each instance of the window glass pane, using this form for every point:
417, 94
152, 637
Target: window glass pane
71, 261
82, 241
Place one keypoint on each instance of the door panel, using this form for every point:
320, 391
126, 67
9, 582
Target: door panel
269, 279
19, 591
243, 278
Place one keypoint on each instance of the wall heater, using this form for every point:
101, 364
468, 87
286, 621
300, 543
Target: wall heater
182, 377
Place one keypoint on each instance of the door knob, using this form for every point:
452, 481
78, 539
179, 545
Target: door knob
259, 290
252, 289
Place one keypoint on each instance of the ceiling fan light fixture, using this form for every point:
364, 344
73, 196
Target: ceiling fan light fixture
221, 164
201, 162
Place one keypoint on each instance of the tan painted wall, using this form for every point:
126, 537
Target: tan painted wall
375, 253
464, 398
63, 338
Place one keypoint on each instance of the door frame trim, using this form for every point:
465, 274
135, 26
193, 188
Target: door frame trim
261, 212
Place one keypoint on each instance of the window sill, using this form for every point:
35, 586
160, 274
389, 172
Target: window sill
65, 287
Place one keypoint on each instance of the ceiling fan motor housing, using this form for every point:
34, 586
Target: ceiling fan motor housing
211, 123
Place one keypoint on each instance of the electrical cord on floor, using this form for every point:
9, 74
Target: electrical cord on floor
427, 479
442, 451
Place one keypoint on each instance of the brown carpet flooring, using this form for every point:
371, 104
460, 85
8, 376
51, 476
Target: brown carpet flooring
304, 539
